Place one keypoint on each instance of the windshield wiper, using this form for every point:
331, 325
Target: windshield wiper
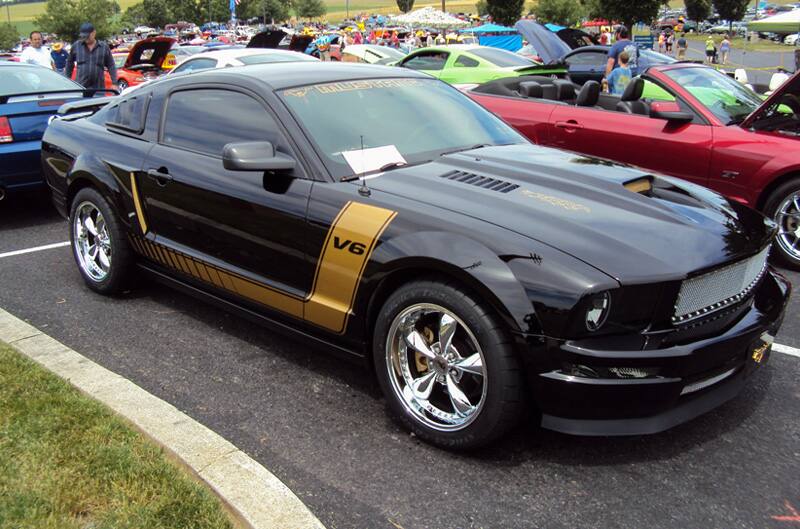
386, 167
462, 149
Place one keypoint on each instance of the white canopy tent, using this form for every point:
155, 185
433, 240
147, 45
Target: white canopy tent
784, 23
428, 16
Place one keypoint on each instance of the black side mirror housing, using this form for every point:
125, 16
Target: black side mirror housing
674, 117
255, 156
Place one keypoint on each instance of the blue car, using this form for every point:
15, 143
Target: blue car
29, 95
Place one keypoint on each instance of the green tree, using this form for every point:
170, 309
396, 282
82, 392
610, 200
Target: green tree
271, 10
9, 36
64, 17
309, 8
405, 5
481, 7
698, 10
505, 12
731, 10
562, 12
625, 11
157, 15
133, 16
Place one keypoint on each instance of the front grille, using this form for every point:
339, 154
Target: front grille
715, 290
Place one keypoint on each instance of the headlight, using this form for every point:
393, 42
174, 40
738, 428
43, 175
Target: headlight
598, 311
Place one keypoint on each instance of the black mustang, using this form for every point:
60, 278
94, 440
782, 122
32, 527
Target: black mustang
384, 214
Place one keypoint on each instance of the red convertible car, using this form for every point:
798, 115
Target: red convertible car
694, 123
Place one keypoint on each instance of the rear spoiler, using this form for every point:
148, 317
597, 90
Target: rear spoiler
82, 109
87, 92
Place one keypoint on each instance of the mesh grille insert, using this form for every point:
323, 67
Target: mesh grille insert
717, 289
492, 184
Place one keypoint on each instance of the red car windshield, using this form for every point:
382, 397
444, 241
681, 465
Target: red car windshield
726, 98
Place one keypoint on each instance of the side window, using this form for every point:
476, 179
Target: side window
588, 59
194, 65
129, 114
427, 61
468, 62
208, 119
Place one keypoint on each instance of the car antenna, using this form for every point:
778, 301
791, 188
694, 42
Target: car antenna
363, 190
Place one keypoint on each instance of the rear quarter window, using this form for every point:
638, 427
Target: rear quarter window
128, 115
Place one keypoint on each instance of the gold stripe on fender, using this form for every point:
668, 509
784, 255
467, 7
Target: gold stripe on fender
347, 249
138, 205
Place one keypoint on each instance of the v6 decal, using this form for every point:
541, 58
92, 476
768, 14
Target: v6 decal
353, 247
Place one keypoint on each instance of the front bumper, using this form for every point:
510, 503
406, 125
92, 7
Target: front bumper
693, 378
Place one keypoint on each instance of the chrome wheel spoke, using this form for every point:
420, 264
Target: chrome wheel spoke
90, 226
92, 242
447, 329
415, 340
423, 386
472, 364
796, 202
460, 402
105, 262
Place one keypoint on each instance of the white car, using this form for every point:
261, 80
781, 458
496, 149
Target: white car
371, 53
232, 57
791, 40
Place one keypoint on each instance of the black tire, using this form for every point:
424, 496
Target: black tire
502, 400
119, 270
776, 200
122, 85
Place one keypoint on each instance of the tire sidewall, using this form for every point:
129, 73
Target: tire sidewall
119, 270
496, 352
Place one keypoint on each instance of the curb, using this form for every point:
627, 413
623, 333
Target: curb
250, 492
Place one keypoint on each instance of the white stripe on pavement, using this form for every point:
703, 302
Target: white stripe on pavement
785, 349
37, 249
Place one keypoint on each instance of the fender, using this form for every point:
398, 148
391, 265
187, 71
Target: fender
778, 167
106, 179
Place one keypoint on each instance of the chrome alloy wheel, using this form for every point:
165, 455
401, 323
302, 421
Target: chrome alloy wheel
92, 242
788, 219
436, 367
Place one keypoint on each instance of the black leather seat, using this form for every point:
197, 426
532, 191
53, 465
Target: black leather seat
565, 90
531, 89
631, 102
589, 94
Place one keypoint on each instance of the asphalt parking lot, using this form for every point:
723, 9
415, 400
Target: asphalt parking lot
320, 426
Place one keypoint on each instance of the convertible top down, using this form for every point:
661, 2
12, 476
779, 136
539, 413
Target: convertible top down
475, 271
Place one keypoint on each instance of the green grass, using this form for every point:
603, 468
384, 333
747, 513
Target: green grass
67, 462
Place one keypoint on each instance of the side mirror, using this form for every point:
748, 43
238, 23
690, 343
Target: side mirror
255, 156
670, 111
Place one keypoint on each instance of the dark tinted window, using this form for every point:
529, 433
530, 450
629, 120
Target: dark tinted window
194, 65
468, 62
588, 58
206, 120
430, 60
128, 114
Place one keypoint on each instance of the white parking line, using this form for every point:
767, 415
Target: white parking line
785, 349
37, 249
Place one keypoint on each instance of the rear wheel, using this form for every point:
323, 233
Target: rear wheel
98, 242
445, 365
783, 206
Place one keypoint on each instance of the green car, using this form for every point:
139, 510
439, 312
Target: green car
471, 64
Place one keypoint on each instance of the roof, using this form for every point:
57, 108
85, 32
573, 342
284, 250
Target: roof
233, 53
287, 74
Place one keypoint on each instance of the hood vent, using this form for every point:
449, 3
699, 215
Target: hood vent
492, 184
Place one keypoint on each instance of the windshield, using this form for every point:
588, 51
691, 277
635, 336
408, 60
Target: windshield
727, 99
421, 118
390, 52
651, 57
32, 79
275, 57
501, 58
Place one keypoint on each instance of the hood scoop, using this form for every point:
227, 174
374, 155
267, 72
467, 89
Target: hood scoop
492, 184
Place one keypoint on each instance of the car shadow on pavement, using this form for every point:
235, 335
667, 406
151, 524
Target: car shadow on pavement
26, 210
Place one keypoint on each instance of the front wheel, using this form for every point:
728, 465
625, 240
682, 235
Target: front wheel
783, 206
445, 365
98, 243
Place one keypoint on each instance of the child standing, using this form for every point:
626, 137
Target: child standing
620, 77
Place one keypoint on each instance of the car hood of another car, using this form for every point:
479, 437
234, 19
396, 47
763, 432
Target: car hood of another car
550, 48
159, 45
631, 225
791, 87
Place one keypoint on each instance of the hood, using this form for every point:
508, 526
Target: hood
547, 44
267, 39
159, 45
580, 206
576, 38
791, 86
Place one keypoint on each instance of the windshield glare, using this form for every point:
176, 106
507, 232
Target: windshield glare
726, 98
422, 118
501, 58
31, 79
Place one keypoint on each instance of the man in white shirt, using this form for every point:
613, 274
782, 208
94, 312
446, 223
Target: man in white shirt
36, 53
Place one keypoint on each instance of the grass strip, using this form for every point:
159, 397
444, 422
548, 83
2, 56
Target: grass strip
67, 462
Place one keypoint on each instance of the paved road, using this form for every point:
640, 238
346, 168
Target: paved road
760, 65
320, 425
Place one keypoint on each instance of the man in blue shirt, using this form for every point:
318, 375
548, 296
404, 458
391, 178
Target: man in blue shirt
622, 43
59, 56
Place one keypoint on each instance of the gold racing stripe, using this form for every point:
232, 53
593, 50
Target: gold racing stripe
138, 205
347, 250
348, 247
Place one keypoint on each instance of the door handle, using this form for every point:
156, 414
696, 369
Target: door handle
569, 126
160, 175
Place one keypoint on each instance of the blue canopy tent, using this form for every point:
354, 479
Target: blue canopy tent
497, 36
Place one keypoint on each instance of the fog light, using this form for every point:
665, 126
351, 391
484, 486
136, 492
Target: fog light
597, 312
633, 372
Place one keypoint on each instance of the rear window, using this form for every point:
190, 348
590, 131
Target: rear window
501, 58
274, 57
128, 114
15, 80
